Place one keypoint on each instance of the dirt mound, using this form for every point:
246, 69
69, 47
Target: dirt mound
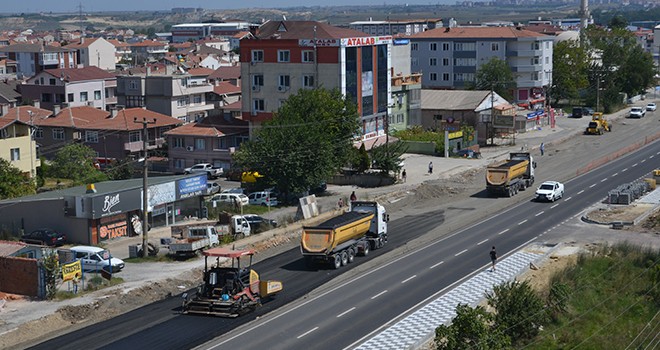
626, 213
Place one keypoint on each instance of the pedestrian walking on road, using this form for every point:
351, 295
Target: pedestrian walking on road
403, 175
353, 197
493, 258
542, 148
340, 204
430, 168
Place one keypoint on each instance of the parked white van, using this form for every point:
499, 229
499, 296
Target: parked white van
264, 198
95, 259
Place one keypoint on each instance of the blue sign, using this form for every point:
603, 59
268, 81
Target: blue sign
534, 114
192, 186
401, 41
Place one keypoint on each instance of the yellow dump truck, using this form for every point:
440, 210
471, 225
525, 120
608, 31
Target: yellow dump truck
510, 176
598, 125
338, 240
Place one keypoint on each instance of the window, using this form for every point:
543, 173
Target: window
536, 45
433, 76
445, 62
38, 133
283, 55
258, 80
58, 134
308, 56
69, 98
83, 96
179, 163
433, 46
433, 61
284, 81
197, 99
465, 62
414, 62
200, 144
183, 101
97, 95
445, 46
53, 81
414, 46
92, 136
463, 76
494, 46
15, 154
445, 76
257, 55
465, 46
547, 44
547, 60
133, 85
135, 136
308, 81
258, 105
535, 60
45, 98
134, 101
178, 142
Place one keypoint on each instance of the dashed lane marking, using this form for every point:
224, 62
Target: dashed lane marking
440, 263
408, 279
580, 192
461, 252
345, 312
379, 294
539, 213
482, 242
554, 205
309, 331
503, 231
522, 222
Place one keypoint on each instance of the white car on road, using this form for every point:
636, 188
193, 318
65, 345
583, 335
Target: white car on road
637, 112
651, 107
550, 191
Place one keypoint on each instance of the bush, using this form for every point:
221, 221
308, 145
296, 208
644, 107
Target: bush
519, 310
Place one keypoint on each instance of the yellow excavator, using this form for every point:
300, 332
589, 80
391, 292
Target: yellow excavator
598, 124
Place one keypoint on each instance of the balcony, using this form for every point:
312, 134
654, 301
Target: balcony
524, 53
412, 79
527, 68
136, 146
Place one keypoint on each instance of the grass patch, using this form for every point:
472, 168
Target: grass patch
150, 259
613, 295
97, 282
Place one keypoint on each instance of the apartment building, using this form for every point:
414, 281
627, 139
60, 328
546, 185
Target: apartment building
396, 27
96, 52
195, 31
148, 49
450, 57
34, 58
281, 57
176, 94
72, 87
17, 147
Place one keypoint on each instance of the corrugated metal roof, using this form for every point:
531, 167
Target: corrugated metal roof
452, 99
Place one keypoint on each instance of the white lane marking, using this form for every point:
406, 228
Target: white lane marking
309, 331
345, 312
603, 180
507, 230
626, 169
440, 263
592, 186
408, 279
554, 205
651, 156
580, 192
522, 222
379, 294
567, 199
643, 160
615, 174
461, 252
540, 213
482, 242
634, 165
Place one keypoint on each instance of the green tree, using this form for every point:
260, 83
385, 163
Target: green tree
120, 169
518, 310
496, 74
472, 328
387, 158
51, 268
362, 161
309, 138
13, 183
569, 70
76, 162
618, 22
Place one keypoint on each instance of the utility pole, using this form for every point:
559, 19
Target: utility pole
145, 201
597, 91
492, 113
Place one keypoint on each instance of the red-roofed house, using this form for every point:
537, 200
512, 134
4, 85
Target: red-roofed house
95, 52
450, 57
230, 74
33, 58
211, 140
122, 50
224, 94
72, 87
17, 147
282, 57
112, 134
148, 49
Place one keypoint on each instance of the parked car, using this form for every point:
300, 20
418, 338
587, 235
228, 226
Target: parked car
238, 190
230, 198
212, 188
637, 112
264, 198
97, 259
550, 191
259, 223
206, 168
651, 107
44, 236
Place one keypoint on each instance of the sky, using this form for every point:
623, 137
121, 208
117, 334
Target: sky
21, 6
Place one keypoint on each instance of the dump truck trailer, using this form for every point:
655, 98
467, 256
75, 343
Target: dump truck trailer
338, 240
510, 176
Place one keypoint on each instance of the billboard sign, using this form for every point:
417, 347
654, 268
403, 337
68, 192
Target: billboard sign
116, 203
191, 187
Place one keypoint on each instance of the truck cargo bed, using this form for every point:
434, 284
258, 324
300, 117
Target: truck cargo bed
341, 220
507, 164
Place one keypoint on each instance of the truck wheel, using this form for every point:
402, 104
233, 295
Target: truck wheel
351, 255
337, 263
365, 249
510, 193
344, 258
